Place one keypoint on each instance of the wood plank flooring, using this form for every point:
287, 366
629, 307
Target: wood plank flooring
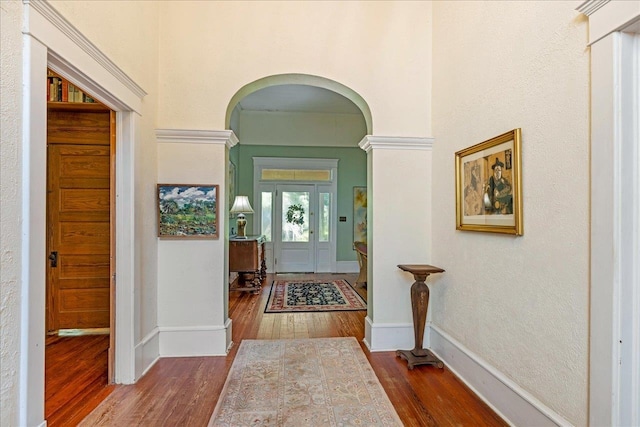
184, 391
75, 377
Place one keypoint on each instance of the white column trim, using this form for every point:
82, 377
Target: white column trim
194, 136
614, 354
370, 142
195, 341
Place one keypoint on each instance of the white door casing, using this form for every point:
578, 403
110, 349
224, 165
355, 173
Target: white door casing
319, 255
614, 355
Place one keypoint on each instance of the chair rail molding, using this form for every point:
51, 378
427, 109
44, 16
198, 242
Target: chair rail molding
370, 142
194, 136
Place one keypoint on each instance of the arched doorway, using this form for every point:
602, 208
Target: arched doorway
289, 118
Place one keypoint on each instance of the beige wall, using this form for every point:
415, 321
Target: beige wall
10, 207
381, 50
519, 303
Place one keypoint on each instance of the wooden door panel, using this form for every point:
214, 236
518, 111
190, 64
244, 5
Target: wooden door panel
83, 200
78, 127
83, 299
82, 237
79, 216
84, 167
83, 267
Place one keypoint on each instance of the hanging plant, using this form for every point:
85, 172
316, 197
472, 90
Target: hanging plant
295, 215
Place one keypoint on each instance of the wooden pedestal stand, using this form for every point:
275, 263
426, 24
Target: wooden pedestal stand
419, 306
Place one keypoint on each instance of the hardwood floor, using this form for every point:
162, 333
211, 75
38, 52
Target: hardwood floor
184, 391
75, 377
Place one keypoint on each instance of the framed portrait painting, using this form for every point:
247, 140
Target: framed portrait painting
187, 211
489, 186
360, 214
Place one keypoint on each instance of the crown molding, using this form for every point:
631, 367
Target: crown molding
191, 136
47, 11
370, 142
591, 6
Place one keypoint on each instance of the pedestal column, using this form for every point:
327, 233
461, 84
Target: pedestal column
419, 307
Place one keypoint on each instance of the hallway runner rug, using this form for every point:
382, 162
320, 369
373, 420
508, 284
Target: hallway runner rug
288, 296
302, 382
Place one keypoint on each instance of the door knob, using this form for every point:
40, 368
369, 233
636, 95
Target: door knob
53, 259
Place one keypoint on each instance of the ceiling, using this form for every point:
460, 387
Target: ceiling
298, 98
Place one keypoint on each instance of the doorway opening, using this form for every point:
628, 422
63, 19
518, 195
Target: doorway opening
297, 213
80, 268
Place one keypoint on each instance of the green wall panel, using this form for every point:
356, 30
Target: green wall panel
352, 172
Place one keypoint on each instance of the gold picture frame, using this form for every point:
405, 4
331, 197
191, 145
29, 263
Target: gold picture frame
489, 186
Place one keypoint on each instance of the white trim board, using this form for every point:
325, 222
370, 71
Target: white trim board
389, 336
51, 41
147, 352
194, 341
505, 397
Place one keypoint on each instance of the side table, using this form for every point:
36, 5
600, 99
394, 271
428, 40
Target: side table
419, 306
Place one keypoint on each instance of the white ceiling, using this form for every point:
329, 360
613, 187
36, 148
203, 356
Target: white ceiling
302, 98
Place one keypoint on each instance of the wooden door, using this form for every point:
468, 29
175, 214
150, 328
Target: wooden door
79, 218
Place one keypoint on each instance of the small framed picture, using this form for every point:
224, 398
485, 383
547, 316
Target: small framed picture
187, 211
489, 186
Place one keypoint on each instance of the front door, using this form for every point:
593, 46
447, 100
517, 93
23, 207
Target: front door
293, 236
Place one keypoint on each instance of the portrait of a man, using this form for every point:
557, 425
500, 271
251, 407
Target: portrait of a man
499, 197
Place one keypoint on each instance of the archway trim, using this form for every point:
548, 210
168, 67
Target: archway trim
300, 79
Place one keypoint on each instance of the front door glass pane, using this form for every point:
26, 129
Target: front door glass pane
267, 198
323, 217
295, 216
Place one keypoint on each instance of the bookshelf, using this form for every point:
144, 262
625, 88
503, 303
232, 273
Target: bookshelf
64, 95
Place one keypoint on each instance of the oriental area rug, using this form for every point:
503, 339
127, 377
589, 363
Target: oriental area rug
313, 295
302, 382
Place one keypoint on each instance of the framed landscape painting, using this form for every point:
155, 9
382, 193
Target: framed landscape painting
489, 186
187, 211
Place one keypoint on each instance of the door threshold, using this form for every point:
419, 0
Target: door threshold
79, 332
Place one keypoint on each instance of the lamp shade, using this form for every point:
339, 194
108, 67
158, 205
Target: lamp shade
241, 205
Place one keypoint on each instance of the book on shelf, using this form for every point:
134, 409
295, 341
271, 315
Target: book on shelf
60, 90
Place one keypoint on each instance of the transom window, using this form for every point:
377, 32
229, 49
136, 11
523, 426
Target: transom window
295, 175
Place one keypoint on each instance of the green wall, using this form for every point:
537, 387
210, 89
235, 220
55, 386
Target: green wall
352, 172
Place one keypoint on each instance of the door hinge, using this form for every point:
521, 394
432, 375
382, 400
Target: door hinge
113, 277
275, 261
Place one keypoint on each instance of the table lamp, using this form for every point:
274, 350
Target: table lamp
241, 206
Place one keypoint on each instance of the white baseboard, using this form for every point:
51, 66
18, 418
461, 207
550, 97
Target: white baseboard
347, 267
388, 336
510, 401
229, 342
192, 341
147, 353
